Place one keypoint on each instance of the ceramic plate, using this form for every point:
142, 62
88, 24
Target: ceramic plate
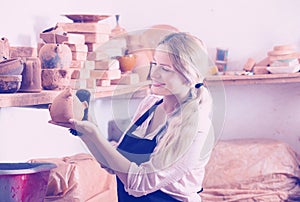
284, 69
86, 17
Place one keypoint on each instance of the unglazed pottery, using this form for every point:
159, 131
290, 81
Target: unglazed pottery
55, 56
10, 83
55, 79
31, 76
13, 66
66, 106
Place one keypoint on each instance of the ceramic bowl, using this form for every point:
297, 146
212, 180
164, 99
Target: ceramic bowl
127, 62
12, 66
10, 83
284, 69
83, 18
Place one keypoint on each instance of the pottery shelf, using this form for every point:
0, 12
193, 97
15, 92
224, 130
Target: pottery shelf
252, 79
20, 99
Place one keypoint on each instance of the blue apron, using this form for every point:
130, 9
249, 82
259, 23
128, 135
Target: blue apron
138, 150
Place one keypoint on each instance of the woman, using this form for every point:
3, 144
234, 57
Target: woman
162, 155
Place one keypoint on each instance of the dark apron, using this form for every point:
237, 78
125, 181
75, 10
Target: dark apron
138, 150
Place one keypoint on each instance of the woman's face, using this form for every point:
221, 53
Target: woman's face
166, 80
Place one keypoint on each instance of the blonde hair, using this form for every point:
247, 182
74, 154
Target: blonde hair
188, 55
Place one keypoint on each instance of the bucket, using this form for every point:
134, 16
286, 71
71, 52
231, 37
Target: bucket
26, 182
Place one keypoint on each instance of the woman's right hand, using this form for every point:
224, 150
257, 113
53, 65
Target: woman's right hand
84, 127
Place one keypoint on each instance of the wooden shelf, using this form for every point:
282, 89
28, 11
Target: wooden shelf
46, 97
27, 99
253, 79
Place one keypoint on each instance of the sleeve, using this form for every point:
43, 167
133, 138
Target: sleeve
177, 152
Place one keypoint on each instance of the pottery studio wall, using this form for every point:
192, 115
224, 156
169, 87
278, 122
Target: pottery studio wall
247, 28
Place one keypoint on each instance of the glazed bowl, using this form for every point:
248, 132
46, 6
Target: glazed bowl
13, 66
24, 181
10, 83
127, 62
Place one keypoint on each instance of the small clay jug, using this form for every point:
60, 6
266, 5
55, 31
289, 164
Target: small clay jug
31, 76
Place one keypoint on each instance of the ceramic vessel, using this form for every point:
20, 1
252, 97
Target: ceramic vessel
117, 30
127, 62
10, 83
12, 66
66, 106
31, 76
55, 79
24, 181
55, 56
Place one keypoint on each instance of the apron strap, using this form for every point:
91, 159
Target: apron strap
140, 120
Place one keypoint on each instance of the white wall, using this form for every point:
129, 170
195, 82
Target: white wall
247, 28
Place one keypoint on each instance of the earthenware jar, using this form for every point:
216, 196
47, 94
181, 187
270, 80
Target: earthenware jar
31, 75
55, 56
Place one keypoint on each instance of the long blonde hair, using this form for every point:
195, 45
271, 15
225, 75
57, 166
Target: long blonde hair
188, 55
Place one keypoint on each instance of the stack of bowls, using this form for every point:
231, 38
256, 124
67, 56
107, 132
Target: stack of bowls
11, 75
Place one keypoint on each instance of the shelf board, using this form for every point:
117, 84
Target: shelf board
20, 99
27, 99
252, 79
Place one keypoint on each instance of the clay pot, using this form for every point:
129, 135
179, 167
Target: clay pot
127, 62
66, 106
31, 75
55, 56
12, 66
10, 83
55, 79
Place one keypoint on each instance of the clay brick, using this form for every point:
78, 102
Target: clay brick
80, 74
88, 64
93, 47
77, 64
83, 64
79, 55
248, 66
95, 37
260, 70
97, 56
39, 46
22, 52
53, 38
75, 38
93, 83
264, 62
78, 83
106, 74
86, 27
78, 47
126, 79
107, 64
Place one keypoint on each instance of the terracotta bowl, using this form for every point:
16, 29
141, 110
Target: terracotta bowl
127, 62
10, 83
12, 66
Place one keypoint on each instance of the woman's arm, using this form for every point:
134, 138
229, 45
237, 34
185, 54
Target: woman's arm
102, 150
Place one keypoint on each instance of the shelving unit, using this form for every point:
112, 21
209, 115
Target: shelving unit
47, 96
253, 79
